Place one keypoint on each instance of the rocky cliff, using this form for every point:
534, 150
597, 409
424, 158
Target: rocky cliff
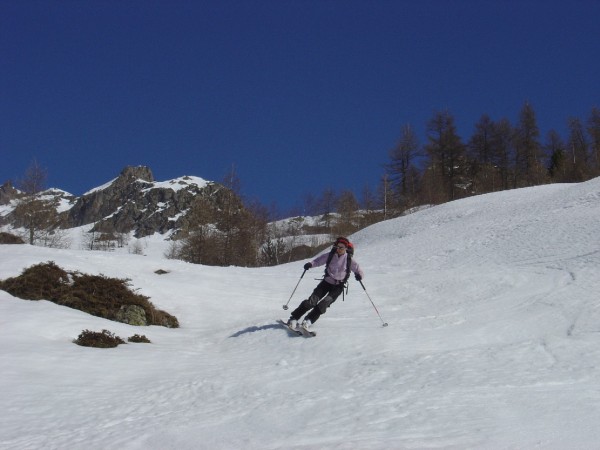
8, 193
133, 201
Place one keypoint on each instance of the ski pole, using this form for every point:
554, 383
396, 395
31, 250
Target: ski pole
365, 289
302, 276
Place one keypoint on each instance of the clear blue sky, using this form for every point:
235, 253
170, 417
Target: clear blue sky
299, 95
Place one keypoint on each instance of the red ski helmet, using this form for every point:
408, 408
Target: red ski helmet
343, 240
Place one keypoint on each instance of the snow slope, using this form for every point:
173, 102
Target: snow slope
493, 342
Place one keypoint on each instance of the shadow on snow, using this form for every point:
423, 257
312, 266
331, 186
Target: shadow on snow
255, 329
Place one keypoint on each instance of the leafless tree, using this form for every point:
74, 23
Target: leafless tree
347, 208
36, 214
593, 129
529, 162
447, 164
403, 173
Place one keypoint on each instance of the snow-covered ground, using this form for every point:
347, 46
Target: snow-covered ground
493, 342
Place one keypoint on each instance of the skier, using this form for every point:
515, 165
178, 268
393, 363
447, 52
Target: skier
338, 264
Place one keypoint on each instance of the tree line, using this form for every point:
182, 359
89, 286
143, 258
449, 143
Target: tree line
497, 156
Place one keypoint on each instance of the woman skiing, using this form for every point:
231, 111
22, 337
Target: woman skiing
338, 265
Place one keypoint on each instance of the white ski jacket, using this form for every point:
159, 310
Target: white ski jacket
336, 272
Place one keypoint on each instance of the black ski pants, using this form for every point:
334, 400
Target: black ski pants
321, 299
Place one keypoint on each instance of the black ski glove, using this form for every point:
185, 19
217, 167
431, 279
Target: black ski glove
357, 276
307, 266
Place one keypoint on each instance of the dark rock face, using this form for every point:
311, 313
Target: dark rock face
7, 193
105, 201
133, 201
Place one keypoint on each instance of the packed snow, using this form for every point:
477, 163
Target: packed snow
175, 184
101, 187
178, 184
493, 342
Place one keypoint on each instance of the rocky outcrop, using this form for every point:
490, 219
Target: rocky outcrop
8, 193
109, 199
132, 315
133, 201
41, 209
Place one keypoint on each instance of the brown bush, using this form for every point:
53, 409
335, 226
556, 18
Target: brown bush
44, 281
105, 339
7, 238
95, 294
138, 339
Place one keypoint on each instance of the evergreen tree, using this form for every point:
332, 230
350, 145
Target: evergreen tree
402, 170
502, 143
481, 151
556, 149
594, 133
529, 167
447, 157
577, 149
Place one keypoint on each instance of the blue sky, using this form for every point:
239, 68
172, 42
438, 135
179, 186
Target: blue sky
298, 95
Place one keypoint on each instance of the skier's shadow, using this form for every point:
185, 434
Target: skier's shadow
255, 329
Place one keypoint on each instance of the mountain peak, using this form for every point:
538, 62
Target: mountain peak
132, 173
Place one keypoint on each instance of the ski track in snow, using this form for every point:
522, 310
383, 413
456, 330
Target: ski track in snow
493, 342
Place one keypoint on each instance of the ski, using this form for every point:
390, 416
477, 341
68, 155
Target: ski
306, 332
291, 331
298, 331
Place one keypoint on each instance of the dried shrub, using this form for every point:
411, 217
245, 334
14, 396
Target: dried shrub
8, 238
105, 339
95, 294
102, 296
138, 339
45, 281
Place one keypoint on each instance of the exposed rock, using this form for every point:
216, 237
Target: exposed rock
132, 315
133, 201
120, 194
8, 193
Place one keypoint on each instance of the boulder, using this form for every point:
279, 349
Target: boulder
132, 315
